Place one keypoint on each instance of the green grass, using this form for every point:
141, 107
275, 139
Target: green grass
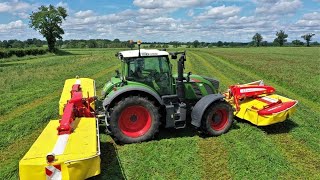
30, 88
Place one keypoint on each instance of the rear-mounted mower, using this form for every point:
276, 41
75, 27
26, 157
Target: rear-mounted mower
135, 102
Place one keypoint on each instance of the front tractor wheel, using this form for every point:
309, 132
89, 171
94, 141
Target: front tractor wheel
134, 119
217, 119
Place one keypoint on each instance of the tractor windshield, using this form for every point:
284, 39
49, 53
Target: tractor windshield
153, 71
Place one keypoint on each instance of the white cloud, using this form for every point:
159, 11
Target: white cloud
83, 14
14, 25
164, 4
309, 20
14, 6
63, 4
220, 12
190, 12
277, 7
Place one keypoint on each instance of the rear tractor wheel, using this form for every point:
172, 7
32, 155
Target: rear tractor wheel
217, 119
134, 119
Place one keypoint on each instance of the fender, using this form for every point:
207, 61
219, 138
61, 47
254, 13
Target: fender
108, 100
201, 106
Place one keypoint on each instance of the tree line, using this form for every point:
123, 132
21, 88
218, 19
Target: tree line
257, 40
29, 43
281, 39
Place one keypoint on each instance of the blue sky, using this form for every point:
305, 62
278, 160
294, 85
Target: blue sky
164, 20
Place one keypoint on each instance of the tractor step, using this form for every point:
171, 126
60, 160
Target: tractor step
180, 116
176, 112
176, 115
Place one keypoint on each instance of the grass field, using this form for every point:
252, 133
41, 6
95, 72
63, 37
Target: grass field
30, 88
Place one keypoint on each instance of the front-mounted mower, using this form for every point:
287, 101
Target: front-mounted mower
143, 95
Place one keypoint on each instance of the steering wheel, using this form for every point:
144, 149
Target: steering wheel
155, 75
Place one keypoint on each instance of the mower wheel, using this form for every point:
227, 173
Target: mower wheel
134, 119
217, 118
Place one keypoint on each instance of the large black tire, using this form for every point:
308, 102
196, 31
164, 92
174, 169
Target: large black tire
217, 119
134, 119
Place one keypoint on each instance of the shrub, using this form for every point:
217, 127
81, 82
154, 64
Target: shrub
6, 53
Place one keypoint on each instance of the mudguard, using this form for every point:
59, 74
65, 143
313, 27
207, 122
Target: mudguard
201, 106
109, 99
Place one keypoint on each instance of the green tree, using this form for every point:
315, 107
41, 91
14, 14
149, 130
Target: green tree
297, 42
175, 44
257, 38
189, 44
281, 37
219, 43
307, 38
48, 20
196, 43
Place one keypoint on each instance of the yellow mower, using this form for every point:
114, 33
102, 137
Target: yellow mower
68, 148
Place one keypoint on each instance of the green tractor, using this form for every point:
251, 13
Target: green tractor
145, 94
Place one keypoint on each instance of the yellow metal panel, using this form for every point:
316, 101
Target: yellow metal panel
248, 113
80, 159
87, 85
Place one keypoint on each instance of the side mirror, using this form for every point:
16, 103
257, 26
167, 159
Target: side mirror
188, 76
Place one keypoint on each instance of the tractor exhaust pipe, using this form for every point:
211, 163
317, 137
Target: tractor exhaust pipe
179, 83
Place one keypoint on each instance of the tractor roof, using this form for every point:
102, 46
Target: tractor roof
143, 52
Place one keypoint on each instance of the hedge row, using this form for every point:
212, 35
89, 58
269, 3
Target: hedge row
6, 53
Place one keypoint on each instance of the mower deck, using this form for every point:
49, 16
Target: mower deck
68, 148
79, 160
257, 111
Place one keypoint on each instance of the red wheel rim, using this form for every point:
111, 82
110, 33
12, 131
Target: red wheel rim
135, 121
219, 119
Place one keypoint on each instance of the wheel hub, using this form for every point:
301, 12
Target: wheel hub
133, 118
219, 119
135, 121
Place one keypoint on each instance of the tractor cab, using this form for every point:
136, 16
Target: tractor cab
150, 67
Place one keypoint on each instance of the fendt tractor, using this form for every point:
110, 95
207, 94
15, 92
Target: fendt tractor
142, 96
